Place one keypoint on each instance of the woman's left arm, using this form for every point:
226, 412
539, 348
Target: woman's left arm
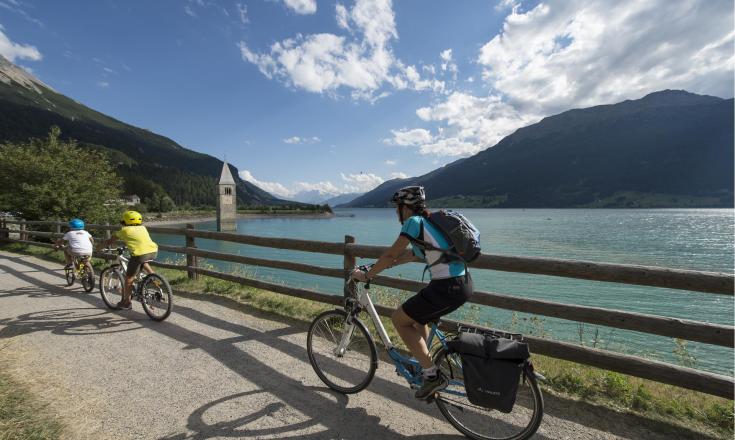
390, 257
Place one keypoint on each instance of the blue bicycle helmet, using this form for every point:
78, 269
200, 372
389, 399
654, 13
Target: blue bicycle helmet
76, 223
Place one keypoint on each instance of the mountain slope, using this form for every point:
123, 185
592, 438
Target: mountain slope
667, 149
147, 161
342, 199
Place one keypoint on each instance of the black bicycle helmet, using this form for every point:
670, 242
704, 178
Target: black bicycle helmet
409, 195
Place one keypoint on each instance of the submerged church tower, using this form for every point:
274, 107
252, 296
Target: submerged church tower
226, 201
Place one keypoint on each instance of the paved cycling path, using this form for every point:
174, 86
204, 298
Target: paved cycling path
214, 369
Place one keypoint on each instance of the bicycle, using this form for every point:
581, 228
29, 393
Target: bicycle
152, 290
344, 356
81, 270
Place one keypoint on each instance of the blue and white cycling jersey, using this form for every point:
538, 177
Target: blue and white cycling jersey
412, 228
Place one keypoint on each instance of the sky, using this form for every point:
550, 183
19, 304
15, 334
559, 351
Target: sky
340, 96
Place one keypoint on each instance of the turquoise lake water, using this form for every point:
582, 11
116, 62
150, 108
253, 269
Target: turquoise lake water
687, 239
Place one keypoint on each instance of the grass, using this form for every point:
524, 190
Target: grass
21, 414
693, 410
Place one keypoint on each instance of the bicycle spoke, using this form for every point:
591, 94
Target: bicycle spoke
482, 423
155, 295
346, 371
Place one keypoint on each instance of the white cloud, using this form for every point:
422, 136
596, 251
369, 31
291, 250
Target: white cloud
14, 51
390, 163
325, 187
361, 182
448, 64
398, 175
302, 140
242, 11
507, 4
342, 18
446, 55
405, 137
303, 7
578, 53
18, 8
362, 60
189, 11
471, 124
103, 84
351, 183
564, 54
274, 188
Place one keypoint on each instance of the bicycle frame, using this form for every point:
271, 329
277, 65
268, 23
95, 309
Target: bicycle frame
78, 265
122, 261
408, 367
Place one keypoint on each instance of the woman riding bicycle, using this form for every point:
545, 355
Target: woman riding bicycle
450, 286
142, 250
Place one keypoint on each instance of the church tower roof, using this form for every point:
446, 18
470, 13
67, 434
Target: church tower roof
226, 176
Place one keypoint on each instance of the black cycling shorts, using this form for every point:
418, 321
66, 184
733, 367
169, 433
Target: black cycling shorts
137, 261
438, 298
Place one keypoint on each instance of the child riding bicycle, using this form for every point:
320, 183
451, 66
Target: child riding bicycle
80, 243
142, 250
450, 286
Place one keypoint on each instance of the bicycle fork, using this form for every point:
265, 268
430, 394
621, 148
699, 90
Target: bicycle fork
346, 337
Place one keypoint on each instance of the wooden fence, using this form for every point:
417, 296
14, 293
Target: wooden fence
709, 282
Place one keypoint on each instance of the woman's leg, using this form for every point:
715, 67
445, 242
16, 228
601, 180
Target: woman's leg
414, 335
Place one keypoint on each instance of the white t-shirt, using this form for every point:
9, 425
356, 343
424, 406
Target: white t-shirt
79, 242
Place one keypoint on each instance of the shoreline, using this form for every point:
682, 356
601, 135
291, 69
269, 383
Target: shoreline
240, 216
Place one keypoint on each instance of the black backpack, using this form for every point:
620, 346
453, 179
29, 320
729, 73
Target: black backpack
491, 367
463, 237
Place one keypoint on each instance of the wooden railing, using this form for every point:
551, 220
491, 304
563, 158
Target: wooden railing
709, 282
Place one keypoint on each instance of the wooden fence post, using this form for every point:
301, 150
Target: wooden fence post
21, 234
348, 265
191, 260
108, 235
58, 232
4, 233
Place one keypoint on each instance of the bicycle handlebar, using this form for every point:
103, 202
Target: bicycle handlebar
363, 268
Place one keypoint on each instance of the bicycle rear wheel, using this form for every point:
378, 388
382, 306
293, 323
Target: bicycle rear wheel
349, 371
88, 279
156, 297
112, 285
482, 423
69, 275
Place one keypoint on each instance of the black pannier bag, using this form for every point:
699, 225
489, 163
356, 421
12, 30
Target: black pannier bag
491, 367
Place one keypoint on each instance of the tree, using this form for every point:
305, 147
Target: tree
48, 179
160, 202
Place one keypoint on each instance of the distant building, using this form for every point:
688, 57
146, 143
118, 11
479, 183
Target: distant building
132, 200
226, 201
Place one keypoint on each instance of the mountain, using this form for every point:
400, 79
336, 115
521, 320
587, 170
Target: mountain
314, 196
668, 149
342, 199
148, 162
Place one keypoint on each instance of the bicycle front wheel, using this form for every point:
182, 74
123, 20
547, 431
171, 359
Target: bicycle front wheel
156, 297
88, 279
483, 423
112, 285
342, 354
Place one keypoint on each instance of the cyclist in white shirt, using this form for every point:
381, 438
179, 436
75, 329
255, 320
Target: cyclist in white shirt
80, 243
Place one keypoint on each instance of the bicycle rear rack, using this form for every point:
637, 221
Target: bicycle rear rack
493, 333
